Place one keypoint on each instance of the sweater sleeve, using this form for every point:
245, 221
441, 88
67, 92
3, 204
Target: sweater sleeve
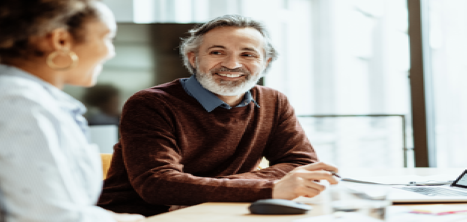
288, 146
153, 162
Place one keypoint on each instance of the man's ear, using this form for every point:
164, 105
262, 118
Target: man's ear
267, 62
192, 58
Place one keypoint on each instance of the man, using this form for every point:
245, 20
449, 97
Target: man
201, 139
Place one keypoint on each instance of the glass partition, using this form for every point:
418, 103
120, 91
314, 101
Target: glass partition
352, 141
446, 67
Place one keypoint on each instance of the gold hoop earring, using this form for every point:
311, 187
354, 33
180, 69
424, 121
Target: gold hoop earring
74, 60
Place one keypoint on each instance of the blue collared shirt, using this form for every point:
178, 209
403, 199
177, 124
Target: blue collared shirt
48, 169
208, 99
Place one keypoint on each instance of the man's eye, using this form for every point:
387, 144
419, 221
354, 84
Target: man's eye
215, 53
248, 55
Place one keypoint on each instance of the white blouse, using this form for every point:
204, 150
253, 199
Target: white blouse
48, 170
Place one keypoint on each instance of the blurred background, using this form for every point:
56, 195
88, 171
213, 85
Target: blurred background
344, 65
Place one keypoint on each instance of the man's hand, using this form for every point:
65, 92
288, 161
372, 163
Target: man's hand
127, 217
300, 181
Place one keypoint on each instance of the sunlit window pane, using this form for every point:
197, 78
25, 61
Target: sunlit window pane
447, 41
347, 57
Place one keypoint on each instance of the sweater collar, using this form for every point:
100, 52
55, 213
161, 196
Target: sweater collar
209, 100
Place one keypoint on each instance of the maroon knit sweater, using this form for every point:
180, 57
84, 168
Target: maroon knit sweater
173, 152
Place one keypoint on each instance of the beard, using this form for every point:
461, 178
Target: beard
227, 87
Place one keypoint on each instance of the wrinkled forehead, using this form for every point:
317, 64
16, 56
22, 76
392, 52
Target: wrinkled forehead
234, 38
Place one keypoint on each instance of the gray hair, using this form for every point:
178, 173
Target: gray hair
192, 43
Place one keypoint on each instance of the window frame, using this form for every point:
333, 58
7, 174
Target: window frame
420, 84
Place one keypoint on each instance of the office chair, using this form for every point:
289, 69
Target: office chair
106, 159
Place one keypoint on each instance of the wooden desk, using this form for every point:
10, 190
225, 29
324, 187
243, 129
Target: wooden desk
238, 212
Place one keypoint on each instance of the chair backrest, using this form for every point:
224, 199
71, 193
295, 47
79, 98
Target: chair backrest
106, 159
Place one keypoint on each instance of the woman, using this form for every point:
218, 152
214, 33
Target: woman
48, 170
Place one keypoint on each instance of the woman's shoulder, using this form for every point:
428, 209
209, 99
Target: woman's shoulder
11, 84
23, 92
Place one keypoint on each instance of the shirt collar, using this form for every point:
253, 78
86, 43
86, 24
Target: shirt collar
66, 101
207, 99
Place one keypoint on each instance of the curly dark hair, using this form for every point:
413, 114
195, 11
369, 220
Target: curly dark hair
22, 19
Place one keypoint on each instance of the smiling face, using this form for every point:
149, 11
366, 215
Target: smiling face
230, 60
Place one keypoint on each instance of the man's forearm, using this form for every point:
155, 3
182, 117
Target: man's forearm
271, 173
176, 188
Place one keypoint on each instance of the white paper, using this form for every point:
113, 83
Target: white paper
353, 217
402, 214
394, 214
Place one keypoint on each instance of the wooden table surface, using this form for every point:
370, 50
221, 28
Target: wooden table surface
238, 212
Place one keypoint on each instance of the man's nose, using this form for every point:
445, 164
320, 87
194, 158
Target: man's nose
231, 62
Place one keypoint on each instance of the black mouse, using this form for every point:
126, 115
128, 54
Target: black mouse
278, 206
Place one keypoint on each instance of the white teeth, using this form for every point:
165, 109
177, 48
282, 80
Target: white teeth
230, 75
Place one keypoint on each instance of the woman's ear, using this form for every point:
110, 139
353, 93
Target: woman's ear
60, 40
57, 40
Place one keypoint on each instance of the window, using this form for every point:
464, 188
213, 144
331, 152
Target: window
343, 63
445, 40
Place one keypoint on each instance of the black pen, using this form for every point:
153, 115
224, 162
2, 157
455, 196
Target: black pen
335, 174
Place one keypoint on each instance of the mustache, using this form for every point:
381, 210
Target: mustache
225, 69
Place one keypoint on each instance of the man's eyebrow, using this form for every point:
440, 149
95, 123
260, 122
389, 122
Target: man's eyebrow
216, 46
223, 47
249, 49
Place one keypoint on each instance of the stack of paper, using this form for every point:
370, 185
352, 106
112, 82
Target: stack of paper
440, 209
394, 214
